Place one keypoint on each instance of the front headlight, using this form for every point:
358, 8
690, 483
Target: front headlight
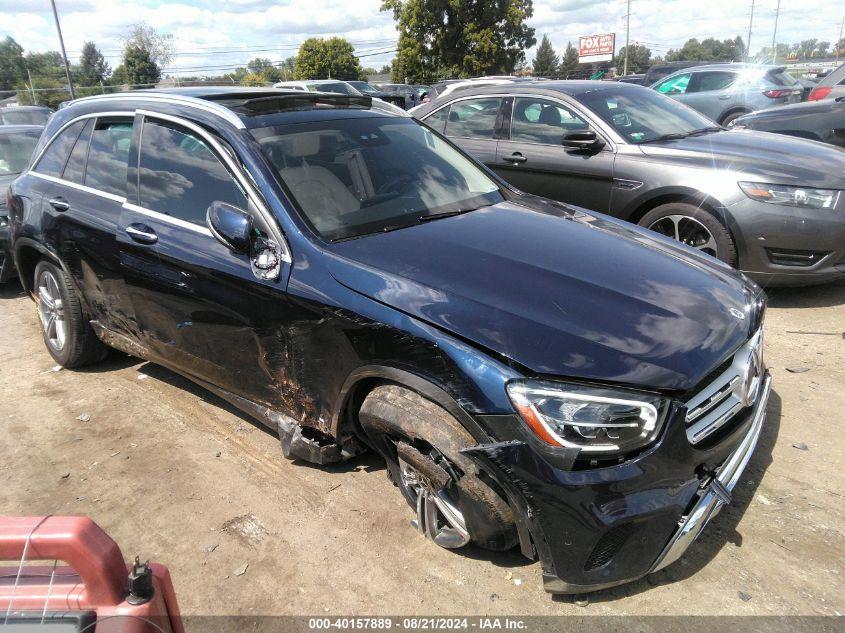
595, 420
791, 196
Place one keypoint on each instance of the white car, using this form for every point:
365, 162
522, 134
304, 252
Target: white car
319, 85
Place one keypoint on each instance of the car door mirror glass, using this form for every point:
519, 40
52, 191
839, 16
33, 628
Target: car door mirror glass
583, 139
231, 225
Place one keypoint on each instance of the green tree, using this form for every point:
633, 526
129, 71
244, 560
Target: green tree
822, 49
546, 60
332, 58
708, 50
569, 62
138, 67
806, 48
12, 69
159, 47
92, 65
254, 79
265, 68
459, 38
639, 58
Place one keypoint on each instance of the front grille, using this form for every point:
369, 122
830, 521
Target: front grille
732, 391
791, 257
607, 546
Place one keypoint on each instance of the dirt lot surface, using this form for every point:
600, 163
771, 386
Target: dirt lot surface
177, 475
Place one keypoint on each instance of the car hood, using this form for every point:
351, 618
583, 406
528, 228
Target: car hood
774, 158
560, 292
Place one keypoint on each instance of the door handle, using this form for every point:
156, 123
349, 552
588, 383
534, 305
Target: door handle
141, 233
515, 158
59, 204
724, 97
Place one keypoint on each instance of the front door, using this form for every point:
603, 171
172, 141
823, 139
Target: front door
533, 159
201, 307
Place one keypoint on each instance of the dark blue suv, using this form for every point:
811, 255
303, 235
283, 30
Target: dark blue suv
532, 373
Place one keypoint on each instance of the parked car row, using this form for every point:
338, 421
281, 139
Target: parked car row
351, 278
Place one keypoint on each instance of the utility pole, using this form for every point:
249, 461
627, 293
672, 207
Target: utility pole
64, 54
750, 26
841, 29
627, 37
31, 88
774, 36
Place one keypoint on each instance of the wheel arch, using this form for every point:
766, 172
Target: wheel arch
28, 253
640, 207
734, 110
363, 379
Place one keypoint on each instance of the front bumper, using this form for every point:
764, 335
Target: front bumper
781, 245
597, 528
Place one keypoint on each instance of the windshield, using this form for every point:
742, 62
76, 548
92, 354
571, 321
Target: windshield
15, 151
642, 115
363, 86
356, 176
340, 87
24, 117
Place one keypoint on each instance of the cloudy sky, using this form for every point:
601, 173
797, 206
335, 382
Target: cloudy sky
213, 36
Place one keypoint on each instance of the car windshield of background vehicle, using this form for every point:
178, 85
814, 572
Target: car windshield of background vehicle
25, 117
356, 176
643, 115
338, 87
15, 152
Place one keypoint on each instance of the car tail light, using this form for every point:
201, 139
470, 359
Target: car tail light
777, 94
819, 92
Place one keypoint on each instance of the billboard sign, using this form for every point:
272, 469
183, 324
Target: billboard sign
596, 48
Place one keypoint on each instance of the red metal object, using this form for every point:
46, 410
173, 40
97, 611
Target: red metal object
819, 92
93, 578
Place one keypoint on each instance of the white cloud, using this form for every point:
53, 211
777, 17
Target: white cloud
203, 28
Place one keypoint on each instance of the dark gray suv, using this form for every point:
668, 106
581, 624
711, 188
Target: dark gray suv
769, 205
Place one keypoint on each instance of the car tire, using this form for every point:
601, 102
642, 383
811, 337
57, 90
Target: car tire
421, 443
65, 329
694, 226
726, 121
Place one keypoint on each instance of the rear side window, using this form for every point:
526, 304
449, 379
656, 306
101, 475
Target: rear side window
180, 175
53, 160
437, 121
715, 80
473, 118
781, 78
75, 168
108, 155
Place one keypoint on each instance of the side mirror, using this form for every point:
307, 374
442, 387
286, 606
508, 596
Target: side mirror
231, 225
583, 139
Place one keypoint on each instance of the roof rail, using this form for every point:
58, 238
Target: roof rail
152, 95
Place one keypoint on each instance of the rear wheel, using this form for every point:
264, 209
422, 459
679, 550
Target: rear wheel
731, 117
421, 442
67, 333
694, 227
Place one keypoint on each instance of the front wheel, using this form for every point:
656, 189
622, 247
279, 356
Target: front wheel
694, 226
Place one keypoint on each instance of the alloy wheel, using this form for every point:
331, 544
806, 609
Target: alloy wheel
438, 518
687, 230
51, 311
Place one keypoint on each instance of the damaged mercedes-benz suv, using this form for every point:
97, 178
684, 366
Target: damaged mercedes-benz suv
532, 373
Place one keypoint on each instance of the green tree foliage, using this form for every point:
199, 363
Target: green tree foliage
546, 60
263, 67
160, 47
708, 50
12, 70
639, 58
138, 67
459, 38
569, 62
254, 79
92, 65
332, 58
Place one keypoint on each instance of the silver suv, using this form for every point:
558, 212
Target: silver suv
724, 92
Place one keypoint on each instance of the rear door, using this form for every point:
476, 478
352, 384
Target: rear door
532, 158
471, 124
84, 174
712, 93
200, 307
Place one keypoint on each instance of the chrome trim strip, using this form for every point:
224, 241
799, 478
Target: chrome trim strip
73, 185
709, 505
194, 102
245, 183
169, 219
91, 115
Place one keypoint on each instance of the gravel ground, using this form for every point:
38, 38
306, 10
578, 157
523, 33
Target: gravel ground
176, 475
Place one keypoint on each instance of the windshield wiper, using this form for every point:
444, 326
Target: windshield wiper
706, 130
666, 137
446, 214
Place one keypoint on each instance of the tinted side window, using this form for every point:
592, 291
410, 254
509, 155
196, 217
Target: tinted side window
108, 155
676, 85
75, 168
437, 121
716, 80
180, 175
541, 121
473, 118
53, 160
